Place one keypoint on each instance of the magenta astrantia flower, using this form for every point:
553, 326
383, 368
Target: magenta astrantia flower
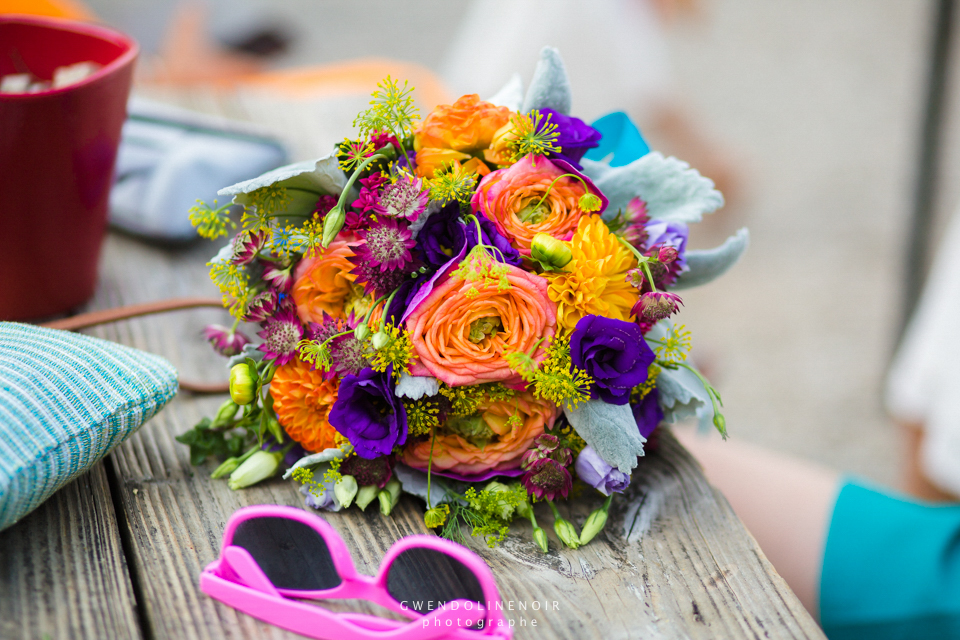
388, 244
406, 198
546, 479
636, 217
654, 306
347, 354
380, 139
262, 306
279, 277
281, 335
324, 204
368, 471
246, 246
370, 192
225, 341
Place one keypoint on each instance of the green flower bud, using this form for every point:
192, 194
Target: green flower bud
226, 468
720, 423
540, 537
590, 202
504, 509
594, 525
242, 385
332, 224
389, 496
362, 332
566, 532
366, 495
345, 489
380, 339
225, 414
260, 466
549, 251
524, 509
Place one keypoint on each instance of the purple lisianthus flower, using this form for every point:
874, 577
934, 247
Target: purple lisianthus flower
442, 236
648, 413
493, 238
595, 471
613, 353
369, 414
225, 341
575, 139
671, 234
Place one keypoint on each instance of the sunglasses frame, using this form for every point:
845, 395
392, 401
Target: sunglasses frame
237, 580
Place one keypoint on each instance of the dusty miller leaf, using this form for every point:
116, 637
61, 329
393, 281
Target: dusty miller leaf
610, 429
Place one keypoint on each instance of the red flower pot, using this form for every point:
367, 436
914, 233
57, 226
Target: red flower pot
57, 150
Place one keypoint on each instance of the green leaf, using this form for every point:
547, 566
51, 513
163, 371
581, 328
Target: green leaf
610, 429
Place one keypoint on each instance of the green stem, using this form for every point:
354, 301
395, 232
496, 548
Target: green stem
565, 175
553, 507
430, 466
355, 175
642, 260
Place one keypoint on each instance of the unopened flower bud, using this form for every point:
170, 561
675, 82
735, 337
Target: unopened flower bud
380, 339
389, 496
720, 423
547, 249
345, 489
566, 532
590, 202
594, 525
524, 509
366, 495
226, 468
225, 414
260, 466
332, 224
362, 332
242, 385
540, 537
667, 254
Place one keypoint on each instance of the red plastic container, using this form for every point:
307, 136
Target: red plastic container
57, 151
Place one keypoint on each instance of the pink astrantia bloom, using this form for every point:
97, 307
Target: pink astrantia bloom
370, 192
281, 335
654, 306
636, 217
546, 479
225, 341
246, 246
279, 277
406, 198
387, 245
262, 306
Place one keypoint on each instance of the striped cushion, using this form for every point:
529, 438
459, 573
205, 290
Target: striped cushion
65, 400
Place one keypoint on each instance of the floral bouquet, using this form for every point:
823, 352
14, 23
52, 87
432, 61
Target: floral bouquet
463, 308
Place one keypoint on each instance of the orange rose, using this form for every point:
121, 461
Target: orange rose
430, 160
521, 202
461, 331
466, 126
500, 445
302, 400
324, 283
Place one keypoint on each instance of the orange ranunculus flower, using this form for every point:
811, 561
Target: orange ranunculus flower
466, 126
594, 282
430, 160
503, 445
461, 331
513, 199
302, 400
324, 283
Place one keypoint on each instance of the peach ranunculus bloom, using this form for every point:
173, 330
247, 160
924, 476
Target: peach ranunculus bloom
465, 127
513, 199
451, 329
324, 283
454, 453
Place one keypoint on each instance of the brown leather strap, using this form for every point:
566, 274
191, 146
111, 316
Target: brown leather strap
94, 318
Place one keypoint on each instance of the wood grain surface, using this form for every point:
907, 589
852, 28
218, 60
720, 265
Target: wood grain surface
118, 553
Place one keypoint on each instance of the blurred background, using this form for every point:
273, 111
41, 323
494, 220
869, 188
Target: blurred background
807, 114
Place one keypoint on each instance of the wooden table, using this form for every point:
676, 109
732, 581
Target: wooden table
118, 552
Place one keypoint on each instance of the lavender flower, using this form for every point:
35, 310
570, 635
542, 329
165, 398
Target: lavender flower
369, 414
595, 471
225, 341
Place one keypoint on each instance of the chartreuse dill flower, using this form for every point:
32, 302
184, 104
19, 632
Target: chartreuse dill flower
265, 204
436, 516
674, 346
484, 264
466, 401
392, 108
452, 182
530, 134
234, 283
423, 416
555, 378
211, 222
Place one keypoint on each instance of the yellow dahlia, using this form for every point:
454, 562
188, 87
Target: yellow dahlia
302, 400
594, 281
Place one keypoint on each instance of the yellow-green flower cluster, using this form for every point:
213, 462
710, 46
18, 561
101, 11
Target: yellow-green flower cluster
423, 416
397, 351
466, 401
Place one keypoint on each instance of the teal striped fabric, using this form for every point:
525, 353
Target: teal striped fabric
65, 400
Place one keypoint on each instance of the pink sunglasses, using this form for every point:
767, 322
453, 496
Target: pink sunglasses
271, 554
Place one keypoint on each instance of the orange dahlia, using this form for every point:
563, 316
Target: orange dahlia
302, 400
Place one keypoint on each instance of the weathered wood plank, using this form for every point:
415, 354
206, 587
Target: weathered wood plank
688, 570
62, 568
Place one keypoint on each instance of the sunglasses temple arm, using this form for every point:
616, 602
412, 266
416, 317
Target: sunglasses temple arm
249, 572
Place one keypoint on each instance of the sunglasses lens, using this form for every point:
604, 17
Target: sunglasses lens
423, 579
292, 554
